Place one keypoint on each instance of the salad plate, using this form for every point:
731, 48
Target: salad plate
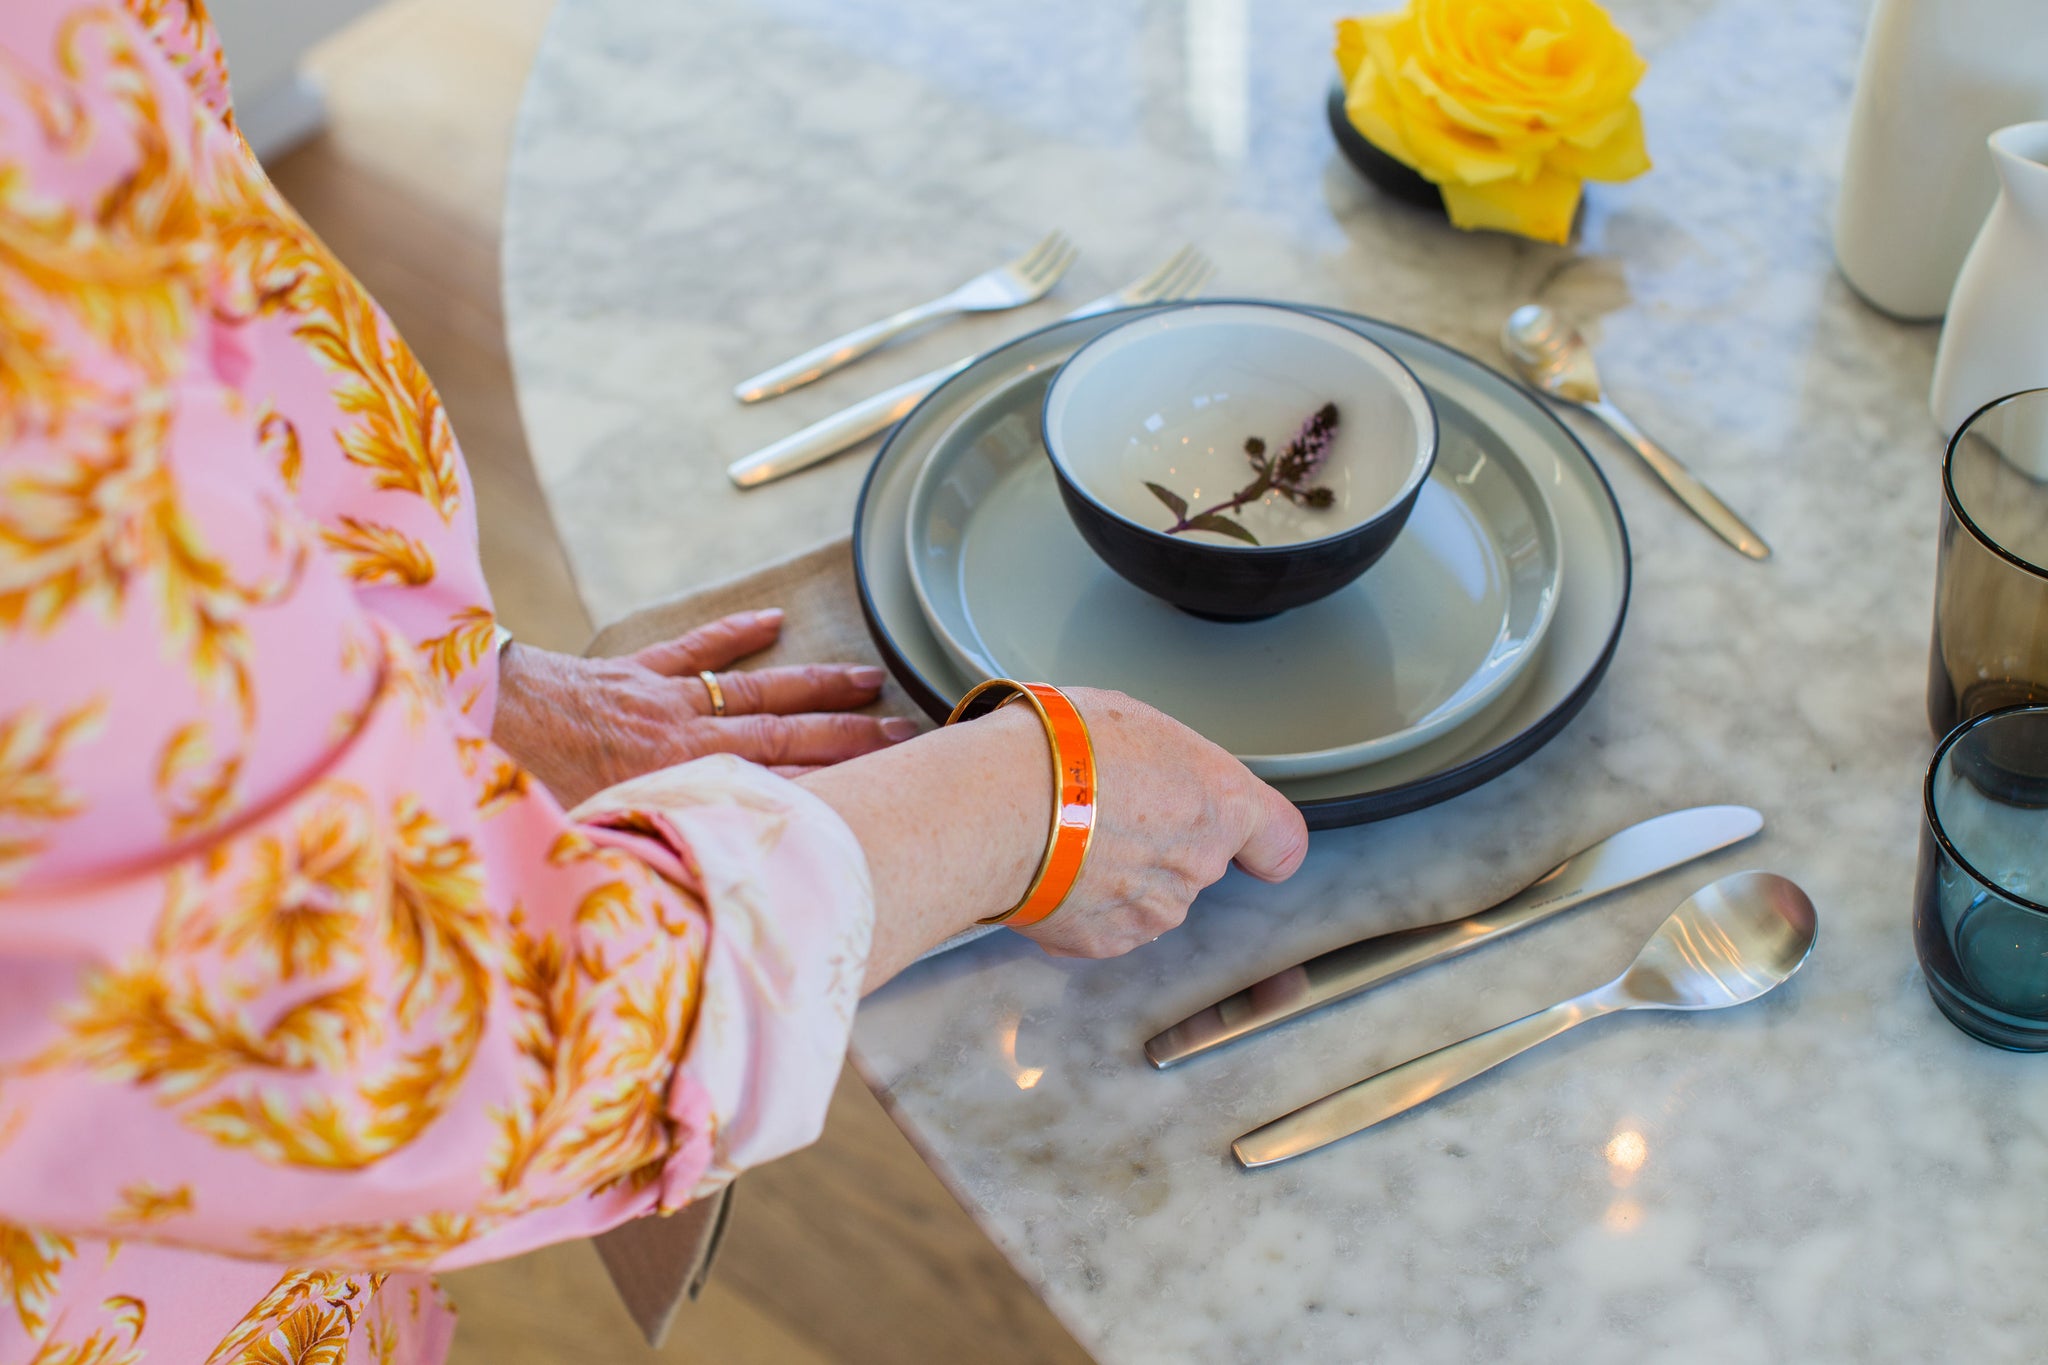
1429, 637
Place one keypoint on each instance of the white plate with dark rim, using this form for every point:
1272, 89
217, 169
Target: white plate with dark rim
1475, 405
1430, 636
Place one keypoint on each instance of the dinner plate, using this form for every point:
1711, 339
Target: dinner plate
1428, 638
1472, 401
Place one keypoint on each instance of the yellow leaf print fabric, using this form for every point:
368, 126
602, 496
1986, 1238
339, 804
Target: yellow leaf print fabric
305, 987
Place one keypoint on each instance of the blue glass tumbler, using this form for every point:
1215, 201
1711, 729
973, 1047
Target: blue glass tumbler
1980, 912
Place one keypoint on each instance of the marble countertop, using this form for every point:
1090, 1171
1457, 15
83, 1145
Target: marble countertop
1834, 1173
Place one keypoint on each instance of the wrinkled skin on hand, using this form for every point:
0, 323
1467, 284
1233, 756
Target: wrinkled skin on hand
1175, 812
580, 725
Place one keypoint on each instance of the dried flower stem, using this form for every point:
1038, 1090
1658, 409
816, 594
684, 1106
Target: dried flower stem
1289, 472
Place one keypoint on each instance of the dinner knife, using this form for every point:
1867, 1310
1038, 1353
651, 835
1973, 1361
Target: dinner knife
849, 426
1642, 850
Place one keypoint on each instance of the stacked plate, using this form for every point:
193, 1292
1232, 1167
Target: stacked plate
1475, 639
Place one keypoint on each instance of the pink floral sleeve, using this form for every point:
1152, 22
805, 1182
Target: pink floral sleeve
296, 968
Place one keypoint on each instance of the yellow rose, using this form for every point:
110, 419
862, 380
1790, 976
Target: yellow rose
1507, 105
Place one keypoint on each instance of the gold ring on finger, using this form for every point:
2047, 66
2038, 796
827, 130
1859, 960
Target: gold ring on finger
710, 681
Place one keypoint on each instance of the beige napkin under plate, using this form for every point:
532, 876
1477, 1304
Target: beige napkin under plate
657, 1262
814, 587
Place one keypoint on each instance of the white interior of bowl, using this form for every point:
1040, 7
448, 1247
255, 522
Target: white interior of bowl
1171, 398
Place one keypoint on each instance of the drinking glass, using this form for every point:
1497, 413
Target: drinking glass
1991, 578
1979, 922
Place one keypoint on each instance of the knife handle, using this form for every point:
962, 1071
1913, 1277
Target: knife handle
1400, 1088
848, 427
837, 353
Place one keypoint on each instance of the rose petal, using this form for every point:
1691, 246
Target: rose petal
1455, 110
1623, 156
1369, 104
1350, 49
1542, 209
1450, 154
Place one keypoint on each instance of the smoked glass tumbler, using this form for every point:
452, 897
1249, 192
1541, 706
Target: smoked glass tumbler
1991, 577
1979, 922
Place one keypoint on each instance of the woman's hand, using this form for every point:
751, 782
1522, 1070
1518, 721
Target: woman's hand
1173, 811
580, 725
955, 823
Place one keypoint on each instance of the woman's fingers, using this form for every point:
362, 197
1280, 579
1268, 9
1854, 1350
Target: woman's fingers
714, 645
805, 687
804, 741
1278, 840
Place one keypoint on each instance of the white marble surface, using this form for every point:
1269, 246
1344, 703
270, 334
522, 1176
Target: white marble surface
1832, 1174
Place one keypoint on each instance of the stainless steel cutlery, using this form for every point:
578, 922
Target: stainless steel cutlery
1725, 945
1180, 276
1024, 280
1642, 850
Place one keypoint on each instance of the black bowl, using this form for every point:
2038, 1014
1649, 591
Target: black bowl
1244, 582
1219, 583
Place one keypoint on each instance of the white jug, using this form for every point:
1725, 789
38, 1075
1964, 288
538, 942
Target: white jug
1936, 77
1996, 339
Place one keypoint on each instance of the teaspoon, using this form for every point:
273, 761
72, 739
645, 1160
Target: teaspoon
1729, 943
1550, 355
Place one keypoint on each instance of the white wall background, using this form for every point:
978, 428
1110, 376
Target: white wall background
266, 40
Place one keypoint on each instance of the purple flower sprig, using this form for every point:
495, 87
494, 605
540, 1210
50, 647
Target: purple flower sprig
1288, 473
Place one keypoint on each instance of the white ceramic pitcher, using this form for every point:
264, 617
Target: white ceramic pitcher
1936, 77
1995, 341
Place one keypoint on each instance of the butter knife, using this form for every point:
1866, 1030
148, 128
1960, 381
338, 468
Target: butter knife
1642, 850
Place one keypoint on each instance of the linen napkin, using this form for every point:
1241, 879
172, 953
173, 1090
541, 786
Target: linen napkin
658, 1262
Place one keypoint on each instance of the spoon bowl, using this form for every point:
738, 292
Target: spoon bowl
1549, 354
1726, 944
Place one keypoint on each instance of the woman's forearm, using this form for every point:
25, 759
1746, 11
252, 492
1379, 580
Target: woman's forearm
953, 824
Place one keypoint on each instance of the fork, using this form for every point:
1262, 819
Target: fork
1024, 280
1183, 274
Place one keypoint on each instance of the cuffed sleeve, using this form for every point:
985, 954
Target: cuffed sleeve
785, 885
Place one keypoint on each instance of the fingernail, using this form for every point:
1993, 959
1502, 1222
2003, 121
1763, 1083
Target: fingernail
866, 675
896, 729
770, 617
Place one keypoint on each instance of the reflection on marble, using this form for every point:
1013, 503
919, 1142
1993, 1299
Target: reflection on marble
1833, 1173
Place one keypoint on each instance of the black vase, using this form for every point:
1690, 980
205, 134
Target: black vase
1390, 176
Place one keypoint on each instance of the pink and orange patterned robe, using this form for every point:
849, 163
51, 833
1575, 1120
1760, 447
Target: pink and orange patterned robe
306, 988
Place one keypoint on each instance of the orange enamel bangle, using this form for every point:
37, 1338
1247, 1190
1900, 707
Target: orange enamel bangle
1073, 779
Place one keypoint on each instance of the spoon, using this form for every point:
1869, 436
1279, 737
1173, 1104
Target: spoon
1550, 356
1729, 943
